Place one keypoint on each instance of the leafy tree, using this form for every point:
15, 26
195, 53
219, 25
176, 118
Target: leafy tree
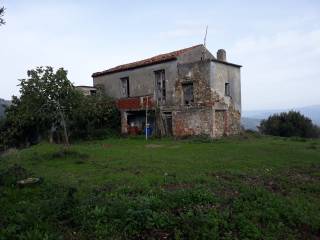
1, 16
50, 106
288, 124
47, 99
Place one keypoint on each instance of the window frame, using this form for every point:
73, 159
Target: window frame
126, 86
160, 86
184, 88
227, 89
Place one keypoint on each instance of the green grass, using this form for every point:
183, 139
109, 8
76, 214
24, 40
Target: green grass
240, 188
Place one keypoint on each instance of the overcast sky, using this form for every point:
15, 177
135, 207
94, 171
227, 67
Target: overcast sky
277, 42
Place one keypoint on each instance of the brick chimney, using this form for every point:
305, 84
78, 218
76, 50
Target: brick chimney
222, 55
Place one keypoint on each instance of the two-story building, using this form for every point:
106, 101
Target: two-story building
185, 92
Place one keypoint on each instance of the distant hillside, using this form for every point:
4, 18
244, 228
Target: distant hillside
250, 123
3, 103
251, 119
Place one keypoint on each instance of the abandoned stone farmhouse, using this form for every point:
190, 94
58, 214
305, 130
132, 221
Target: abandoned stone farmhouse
185, 92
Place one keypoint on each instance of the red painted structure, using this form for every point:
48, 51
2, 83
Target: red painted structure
136, 103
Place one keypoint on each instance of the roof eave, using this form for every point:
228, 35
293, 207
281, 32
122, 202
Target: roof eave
227, 63
84, 86
97, 74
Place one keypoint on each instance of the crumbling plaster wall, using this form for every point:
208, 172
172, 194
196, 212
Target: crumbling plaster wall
197, 73
234, 121
141, 81
228, 108
196, 54
222, 73
196, 118
212, 113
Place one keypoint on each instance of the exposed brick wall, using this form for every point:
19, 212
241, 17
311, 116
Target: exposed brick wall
190, 122
199, 74
226, 122
234, 121
219, 123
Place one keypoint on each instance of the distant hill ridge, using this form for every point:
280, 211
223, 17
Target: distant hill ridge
251, 119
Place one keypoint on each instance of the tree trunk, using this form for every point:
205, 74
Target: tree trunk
65, 132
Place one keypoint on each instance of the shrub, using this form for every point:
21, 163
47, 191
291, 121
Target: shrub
12, 175
290, 124
96, 117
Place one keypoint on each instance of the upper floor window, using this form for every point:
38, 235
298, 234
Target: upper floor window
227, 89
188, 98
125, 90
160, 86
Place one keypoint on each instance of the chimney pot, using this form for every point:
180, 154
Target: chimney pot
222, 55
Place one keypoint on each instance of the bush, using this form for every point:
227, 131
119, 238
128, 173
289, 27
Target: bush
290, 124
96, 117
12, 175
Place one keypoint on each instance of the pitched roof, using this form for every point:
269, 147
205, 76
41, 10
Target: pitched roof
149, 61
84, 86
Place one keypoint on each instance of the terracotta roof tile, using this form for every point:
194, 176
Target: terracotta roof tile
149, 61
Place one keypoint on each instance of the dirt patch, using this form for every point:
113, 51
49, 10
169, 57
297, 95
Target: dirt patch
106, 145
153, 146
272, 184
281, 183
137, 172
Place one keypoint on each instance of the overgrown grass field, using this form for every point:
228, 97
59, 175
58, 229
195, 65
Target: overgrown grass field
237, 188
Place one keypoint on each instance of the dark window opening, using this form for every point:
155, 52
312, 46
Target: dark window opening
227, 89
160, 86
125, 90
187, 93
93, 92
